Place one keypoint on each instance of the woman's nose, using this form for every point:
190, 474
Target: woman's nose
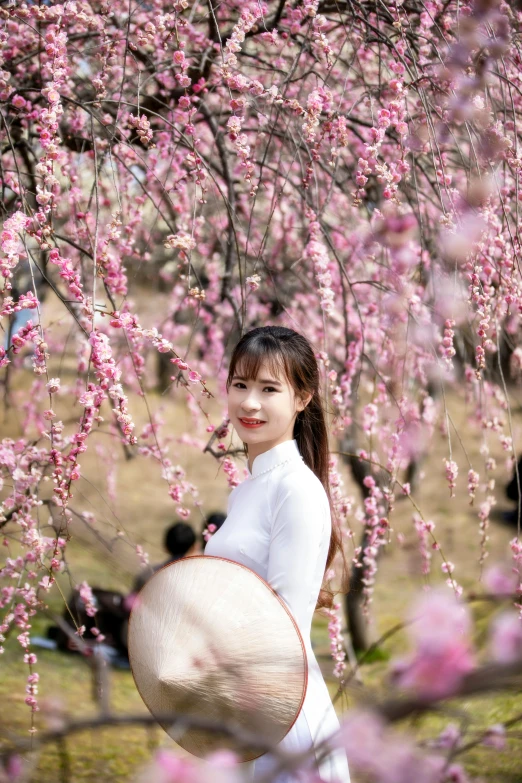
250, 403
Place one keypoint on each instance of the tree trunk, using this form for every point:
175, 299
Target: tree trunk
356, 621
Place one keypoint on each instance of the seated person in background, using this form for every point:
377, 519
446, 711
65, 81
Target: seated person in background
180, 541
212, 523
113, 608
512, 492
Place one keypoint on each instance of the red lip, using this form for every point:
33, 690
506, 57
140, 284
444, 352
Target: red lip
251, 425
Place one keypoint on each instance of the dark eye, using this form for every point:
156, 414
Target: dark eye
270, 389
239, 385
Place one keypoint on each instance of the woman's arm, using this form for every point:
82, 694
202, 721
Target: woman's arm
298, 540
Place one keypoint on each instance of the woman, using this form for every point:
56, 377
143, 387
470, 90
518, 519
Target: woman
279, 521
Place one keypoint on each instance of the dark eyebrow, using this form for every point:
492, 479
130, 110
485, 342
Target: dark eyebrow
261, 380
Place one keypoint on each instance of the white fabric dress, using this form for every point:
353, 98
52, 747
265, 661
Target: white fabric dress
278, 524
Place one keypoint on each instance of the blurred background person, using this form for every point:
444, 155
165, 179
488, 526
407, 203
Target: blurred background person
212, 523
180, 541
513, 493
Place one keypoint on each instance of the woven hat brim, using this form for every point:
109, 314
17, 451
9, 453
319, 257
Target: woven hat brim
210, 639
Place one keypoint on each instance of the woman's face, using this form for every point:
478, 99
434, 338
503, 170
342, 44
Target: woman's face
263, 410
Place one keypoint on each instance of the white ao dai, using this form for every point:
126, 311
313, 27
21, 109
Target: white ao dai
278, 524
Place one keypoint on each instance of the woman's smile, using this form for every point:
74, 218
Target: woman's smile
251, 424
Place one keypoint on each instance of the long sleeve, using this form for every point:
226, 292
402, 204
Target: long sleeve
278, 525
299, 538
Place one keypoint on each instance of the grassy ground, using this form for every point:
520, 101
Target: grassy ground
103, 553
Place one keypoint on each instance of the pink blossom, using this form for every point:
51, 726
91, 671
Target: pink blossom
458, 242
452, 471
231, 472
142, 555
14, 768
473, 482
506, 637
337, 650
223, 759
180, 241
450, 737
500, 580
32, 702
88, 598
455, 773
180, 364
495, 736
380, 754
166, 767
143, 128
253, 282
447, 348
438, 618
234, 127
396, 230
98, 634
53, 386
435, 675
443, 654
316, 251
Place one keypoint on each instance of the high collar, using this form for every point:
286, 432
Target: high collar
274, 456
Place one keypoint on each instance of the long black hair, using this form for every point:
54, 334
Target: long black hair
282, 348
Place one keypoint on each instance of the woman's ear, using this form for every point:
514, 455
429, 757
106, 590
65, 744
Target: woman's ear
302, 402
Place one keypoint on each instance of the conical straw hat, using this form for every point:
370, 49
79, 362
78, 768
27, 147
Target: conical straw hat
209, 638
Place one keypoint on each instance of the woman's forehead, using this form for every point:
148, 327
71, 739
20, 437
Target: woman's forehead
261, 370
